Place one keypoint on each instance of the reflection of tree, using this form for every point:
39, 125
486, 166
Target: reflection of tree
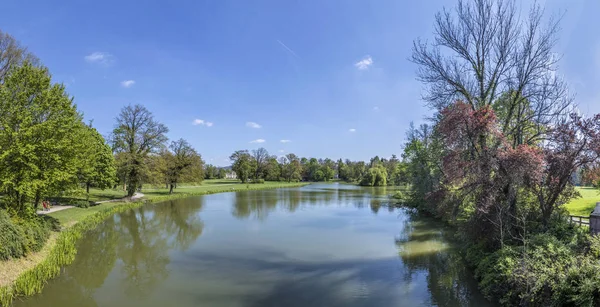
423, 248
257, 203
96, 256
143, 251
146, 239
180, 219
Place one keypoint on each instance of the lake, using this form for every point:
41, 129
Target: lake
319, 245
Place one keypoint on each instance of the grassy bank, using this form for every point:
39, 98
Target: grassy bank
586, 204
29, 279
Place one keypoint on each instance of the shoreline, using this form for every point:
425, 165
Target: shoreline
61, 251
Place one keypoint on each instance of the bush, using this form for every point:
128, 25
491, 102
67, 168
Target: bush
258, 181
12, 244
22, 235
543, 272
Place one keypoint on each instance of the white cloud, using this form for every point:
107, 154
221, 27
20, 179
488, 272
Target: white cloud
127, 83
99, 57
364, 63
258, 141
281, 150
201, 122
285, 141
352, 130
253, 125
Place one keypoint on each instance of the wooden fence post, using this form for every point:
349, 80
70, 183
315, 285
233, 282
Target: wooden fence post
595, 220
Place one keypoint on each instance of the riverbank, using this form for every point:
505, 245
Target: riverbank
27, 276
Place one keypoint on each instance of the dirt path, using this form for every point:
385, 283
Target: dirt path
54, 209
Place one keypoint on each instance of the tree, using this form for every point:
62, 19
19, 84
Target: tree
244, 165
181, 157
12, 54
222, 173
210, 172
97, 163
260, 159
376, 176
38, 145
484, 54
272, 170
136, 135
291, 168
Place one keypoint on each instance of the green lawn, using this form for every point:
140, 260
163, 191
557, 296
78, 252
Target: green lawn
70, 216
585, 205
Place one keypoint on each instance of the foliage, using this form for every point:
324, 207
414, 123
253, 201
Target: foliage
96, 161
38, 137
181, 157
243, 165
136, 135
20, 236
375, 176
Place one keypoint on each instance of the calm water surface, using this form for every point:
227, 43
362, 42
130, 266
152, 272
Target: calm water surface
320, 245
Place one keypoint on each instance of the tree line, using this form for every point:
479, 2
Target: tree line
258, 165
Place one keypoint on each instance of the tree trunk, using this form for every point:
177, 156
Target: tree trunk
171, 189
87, 188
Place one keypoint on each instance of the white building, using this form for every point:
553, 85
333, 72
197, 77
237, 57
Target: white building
230, 175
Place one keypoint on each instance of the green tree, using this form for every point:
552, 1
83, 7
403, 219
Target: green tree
243, 165
376, 176
272, 170
38, 145
136, 135
180, 158
222, 173
97, 164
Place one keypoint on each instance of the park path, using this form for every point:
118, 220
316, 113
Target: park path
55, 208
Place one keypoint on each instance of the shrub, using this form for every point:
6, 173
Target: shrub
12, 244
258, 181
22, 235
543, 272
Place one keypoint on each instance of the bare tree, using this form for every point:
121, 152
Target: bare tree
485, 54
137, 134
12, 54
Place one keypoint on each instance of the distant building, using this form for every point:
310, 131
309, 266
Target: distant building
231, 175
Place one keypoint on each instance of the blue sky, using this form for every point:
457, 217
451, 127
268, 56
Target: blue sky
305, 71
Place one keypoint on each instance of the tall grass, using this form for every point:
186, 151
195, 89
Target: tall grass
63, 253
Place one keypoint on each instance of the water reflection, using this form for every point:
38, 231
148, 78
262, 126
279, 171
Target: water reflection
424, 248
322, 245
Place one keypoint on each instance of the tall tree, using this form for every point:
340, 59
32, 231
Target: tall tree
260, 156
38, 144
136, 135
484, 53
181, 157
97, 163
244, 165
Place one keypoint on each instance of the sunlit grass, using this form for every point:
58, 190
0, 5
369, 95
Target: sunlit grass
585, 205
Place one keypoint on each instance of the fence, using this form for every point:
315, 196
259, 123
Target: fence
580, 220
